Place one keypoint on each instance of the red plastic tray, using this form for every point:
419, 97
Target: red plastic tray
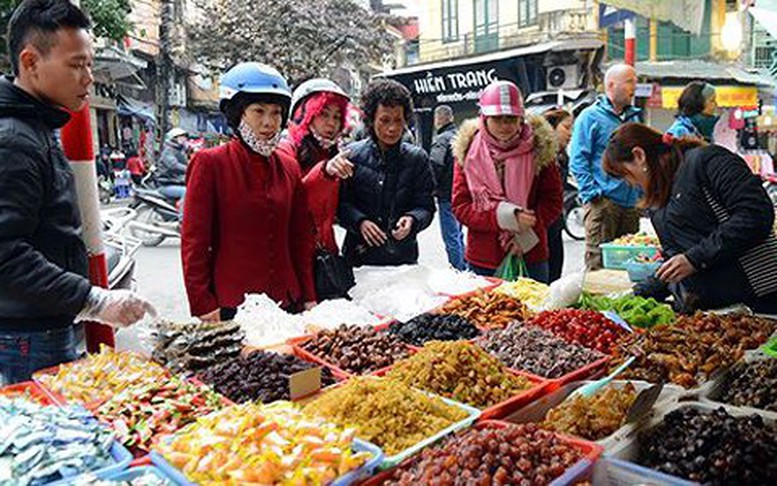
591, 453
339, 373
27, 389
56, 397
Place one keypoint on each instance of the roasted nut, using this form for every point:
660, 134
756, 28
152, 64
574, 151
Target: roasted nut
355, 349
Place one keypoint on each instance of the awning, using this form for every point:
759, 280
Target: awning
686, 14
111, 63
131, 107
702, 70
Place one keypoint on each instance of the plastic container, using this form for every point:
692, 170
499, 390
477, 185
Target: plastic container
537, 410
712, 393
352, 477
617, 467
29, 390
616, 256
641, 271
137, 472
578, 472
121, 456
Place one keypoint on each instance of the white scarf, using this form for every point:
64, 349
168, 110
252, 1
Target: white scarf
261, 147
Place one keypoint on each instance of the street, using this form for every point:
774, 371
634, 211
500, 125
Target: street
160, 278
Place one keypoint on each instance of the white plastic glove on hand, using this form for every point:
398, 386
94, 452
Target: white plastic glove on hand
116, 308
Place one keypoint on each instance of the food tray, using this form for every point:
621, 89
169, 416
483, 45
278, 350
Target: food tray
136, 472
352, 477
536, 411
711, 394
580, 471
616, 256
339, 373
641, 271
121, 456
615, 467
27, 389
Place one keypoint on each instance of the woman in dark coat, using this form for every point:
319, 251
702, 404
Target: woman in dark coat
711, 213
388, 201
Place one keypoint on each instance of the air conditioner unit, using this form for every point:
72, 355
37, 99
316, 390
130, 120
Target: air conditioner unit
563, 77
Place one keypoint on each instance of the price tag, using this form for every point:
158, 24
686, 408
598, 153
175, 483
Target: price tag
304, 383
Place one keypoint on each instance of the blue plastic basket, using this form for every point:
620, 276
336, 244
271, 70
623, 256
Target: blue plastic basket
641, 271
120, 455
364, 472
615, 256
136, 472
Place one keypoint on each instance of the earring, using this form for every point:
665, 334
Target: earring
644, 169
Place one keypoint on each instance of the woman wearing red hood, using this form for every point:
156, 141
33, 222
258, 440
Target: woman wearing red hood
318, 119
506, 187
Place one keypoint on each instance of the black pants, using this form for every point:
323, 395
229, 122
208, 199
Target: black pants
556, 249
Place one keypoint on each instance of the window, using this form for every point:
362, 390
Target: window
527, 12
486, 25
450, 20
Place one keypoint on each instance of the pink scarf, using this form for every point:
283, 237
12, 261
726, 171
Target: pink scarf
482, 179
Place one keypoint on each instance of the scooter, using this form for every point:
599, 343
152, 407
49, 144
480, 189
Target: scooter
157, 217
120, 248
574, 224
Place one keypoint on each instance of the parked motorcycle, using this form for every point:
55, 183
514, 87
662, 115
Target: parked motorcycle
120, 248
574, 224
157, 217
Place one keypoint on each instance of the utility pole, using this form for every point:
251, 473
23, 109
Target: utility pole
164, 67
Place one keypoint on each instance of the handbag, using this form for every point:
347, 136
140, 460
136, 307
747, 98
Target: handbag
333, 275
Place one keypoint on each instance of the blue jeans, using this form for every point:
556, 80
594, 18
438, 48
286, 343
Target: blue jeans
452, 236
174, 192
539, 271
23, 353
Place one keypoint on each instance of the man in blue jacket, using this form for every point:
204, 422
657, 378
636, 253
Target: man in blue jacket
609, 202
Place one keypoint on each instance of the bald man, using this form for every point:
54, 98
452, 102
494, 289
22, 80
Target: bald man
609, 203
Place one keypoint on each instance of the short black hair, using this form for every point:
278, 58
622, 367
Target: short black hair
36, 21
234, 108
386, 92
692, 101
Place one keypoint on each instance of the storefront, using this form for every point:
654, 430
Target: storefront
458, 83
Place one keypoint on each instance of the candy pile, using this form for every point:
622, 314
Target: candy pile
265, 323
434, 327
262, 444
530, 292
38, 443
261, 376
488, 310
460, 371
194, 346
355, 349
691, 349
589, 328
637, 311
537, 351
752, 385
389, 414
100, 376
637, 239
137, 479
492, 454
141, 414
712, 447
592, 418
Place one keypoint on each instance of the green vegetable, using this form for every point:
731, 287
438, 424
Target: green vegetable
637, 311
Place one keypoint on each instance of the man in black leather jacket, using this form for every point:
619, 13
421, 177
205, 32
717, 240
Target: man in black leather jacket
43, 262
388, 201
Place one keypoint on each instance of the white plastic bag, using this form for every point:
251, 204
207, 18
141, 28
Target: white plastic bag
566, 291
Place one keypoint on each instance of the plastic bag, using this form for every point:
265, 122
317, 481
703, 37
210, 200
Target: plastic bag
511, 269
566, 291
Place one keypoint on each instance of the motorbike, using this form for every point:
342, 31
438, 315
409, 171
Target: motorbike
574, 224
770, 185
157, 216
120, 248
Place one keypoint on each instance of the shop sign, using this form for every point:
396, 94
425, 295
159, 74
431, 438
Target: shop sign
727, 96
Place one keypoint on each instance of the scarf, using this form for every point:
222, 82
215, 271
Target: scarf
326, 143
261, 147
480, 167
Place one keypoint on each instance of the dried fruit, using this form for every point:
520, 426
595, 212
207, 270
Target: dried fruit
355, 349
434, 327
592, 418
460, 371
588, 328
488, 310
530, 292
537, 351
193, 346
387, 413
752, 385
258, 376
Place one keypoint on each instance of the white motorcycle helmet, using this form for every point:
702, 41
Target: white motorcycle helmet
174, 133
312, 86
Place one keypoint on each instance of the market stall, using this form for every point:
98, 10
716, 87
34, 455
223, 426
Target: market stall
488, 386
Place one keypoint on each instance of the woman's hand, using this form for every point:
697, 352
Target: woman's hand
526, 219
214, 316
372, 234
403, 228
514, 249
340, 166
676, 269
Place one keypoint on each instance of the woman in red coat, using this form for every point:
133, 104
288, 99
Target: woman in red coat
506, 186
246, 225
318, 119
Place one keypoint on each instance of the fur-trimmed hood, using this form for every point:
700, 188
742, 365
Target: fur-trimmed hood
545, 142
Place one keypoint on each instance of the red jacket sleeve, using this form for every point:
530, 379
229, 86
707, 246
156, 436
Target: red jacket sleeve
303, 241
463, 207
197, 236
550, 195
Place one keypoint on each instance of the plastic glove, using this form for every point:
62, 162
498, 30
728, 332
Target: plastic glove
116, 308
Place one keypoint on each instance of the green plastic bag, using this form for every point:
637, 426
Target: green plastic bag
511, 269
